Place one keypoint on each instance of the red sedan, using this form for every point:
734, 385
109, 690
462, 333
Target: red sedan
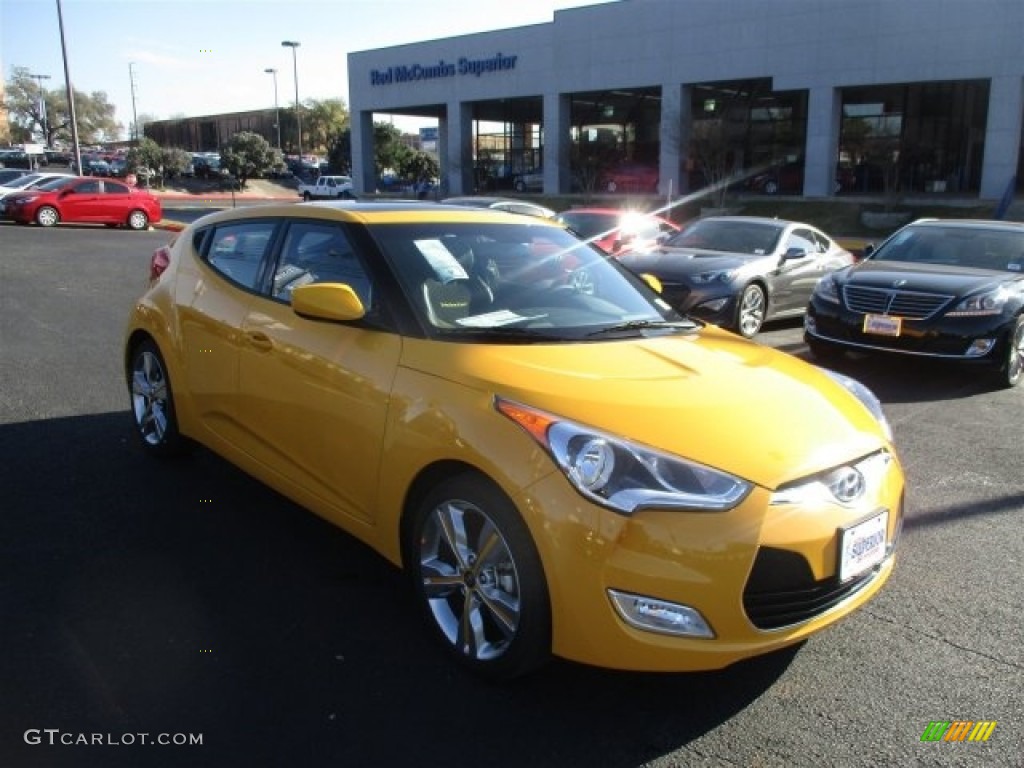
615, 231
83, 199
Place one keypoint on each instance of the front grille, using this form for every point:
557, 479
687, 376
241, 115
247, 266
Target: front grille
782, 590
887, 301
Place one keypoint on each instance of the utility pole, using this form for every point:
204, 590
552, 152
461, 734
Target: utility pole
298, 113
277, 110
135, 118
71, 93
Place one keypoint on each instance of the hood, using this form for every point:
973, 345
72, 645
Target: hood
711, 397
927, 278
681, 262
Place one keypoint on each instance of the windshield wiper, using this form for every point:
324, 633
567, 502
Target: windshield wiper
501, 332
643, 325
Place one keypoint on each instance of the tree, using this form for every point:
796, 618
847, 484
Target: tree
322, 123
94, 114
419, 167
146, 160
339, 156
175, 161
247, 154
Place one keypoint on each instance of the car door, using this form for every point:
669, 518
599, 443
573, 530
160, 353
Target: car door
315, 394
215, 290
79, 202
115, 202
795, 278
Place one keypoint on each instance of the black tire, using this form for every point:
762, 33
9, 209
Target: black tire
47, 216
751, 309
306, 196
1011, 372
152, 403
137, 220
492, 584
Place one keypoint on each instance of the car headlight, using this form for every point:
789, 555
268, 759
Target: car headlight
624, 475
988, 303
866, 396
827, 289
715, 276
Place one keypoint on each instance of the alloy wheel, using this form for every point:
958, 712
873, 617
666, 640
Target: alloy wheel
470, 580
751, 310
150, 398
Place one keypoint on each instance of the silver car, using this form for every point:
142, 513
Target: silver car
741, 271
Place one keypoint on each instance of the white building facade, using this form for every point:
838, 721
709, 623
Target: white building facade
834, 96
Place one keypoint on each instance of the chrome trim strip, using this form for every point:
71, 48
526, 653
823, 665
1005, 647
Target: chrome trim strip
873, 348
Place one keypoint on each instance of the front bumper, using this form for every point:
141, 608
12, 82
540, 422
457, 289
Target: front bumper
714, 304
725, 566
967, 339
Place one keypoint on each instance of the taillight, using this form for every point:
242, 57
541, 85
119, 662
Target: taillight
160, 261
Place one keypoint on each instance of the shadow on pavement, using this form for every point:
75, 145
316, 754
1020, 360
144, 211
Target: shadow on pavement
185, 597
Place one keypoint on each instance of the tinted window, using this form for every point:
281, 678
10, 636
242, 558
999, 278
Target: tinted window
237, 250
319, 252
113, 188
87, 188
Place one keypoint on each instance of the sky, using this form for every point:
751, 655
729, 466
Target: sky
200, 58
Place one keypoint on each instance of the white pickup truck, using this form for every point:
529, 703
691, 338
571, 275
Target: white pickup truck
328, 188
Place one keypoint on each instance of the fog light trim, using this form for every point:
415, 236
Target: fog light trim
980, 347
653, 615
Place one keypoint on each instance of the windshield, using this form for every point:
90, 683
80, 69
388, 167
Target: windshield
516, 281
955, 246
21, 181
753, 238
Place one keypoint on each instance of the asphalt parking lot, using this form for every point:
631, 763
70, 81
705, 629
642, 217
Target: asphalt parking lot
185, 598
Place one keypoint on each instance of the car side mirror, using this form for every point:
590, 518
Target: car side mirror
868, 250
652, 281
327, 301
794, 253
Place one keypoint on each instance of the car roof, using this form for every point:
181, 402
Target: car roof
379, 212
986, 224
481, 200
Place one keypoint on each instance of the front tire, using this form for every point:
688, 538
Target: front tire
478, 578
152, 399
1011, 373
47, 216
306, 197
750, 310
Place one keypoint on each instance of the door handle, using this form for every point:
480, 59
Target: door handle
259, 340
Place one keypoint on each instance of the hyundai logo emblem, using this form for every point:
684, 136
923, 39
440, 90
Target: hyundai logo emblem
898, 283
849, 485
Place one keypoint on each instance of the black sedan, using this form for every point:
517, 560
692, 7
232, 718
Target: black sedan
937, 288
740, 271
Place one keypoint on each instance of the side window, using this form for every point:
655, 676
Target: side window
237, 250
802, 239
87, 188
114, 188
319, 252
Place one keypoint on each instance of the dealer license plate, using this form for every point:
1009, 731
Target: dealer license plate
862, 546
882, 325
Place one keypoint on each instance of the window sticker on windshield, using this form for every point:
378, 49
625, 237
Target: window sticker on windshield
1015, 266
441, 260
759, 251
495, 319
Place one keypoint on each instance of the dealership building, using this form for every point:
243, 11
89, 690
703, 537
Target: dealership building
821, 97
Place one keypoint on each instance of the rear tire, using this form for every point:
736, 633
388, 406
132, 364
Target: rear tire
152, 401
138, 220
478, 578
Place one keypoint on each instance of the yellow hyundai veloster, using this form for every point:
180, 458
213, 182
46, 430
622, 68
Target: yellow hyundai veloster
560, 462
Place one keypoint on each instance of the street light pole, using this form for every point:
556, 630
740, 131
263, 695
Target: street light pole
71, 92
298, 115
42, 107
277, 110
